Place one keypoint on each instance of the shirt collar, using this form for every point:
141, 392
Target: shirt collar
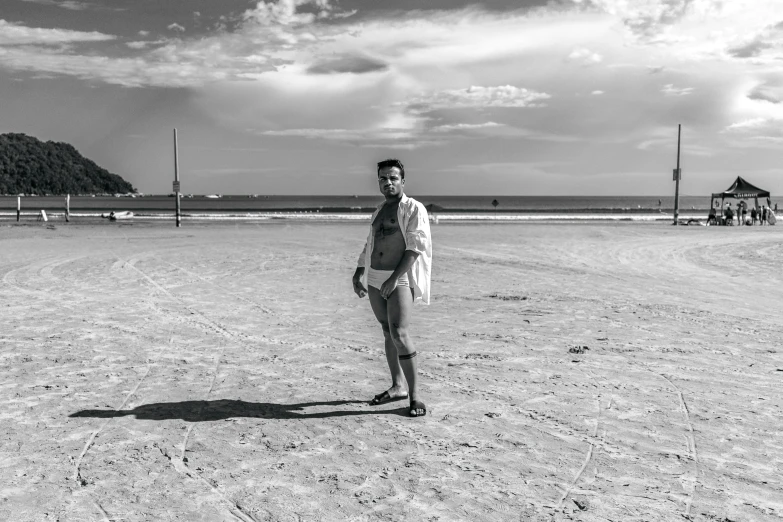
404, 199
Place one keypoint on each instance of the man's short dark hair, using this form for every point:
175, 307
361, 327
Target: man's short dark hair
391, 163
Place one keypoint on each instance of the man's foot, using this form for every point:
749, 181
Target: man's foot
418, 409
389, 395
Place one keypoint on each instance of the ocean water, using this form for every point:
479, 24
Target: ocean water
358, 207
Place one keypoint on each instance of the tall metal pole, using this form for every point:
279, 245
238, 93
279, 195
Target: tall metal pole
176, 179
677, 177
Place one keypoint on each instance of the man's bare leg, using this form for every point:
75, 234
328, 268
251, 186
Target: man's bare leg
399, 307
379, 308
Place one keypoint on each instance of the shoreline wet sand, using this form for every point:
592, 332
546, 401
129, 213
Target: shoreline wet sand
221, 372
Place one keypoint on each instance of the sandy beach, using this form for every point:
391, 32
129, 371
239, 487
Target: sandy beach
220, 372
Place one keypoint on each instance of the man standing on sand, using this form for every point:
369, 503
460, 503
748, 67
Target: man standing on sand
394, 270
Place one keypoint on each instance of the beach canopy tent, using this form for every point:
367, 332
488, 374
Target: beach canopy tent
740, 189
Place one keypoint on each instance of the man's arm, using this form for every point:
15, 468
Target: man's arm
358, 288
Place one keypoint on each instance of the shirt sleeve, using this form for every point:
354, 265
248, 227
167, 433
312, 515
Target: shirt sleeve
417, 234
360, 262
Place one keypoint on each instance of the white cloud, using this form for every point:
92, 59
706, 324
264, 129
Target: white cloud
649, 18
304, 68
16, 34
64, 4
756, 132
175, 27
585, 56
389, 137
753, 123
478, 97
285, 12
465, 127
670, 90
143, 44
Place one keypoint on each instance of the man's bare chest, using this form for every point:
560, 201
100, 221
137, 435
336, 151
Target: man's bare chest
386, 224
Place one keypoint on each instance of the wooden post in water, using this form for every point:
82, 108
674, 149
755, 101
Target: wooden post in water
18, 206
677, 176
67, 208
176, 179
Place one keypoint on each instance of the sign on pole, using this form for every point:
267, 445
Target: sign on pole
676, 174
176, 186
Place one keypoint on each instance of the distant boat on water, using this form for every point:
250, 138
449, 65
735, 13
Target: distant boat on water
213, 196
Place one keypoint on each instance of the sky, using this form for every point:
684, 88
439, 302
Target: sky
505, 97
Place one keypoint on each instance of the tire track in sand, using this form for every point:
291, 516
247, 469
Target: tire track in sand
178, 462
44, 269
588, 456
690, 441
77, 471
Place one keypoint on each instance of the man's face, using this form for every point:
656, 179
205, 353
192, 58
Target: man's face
390, 181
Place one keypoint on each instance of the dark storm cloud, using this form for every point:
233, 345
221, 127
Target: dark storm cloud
749, 50
348, 64
648, 20
768, 38
766, 93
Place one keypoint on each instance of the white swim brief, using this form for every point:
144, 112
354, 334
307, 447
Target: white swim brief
377, 277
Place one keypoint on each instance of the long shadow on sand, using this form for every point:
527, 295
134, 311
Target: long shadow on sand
205, 411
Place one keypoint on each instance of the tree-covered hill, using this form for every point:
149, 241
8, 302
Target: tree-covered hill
31, 166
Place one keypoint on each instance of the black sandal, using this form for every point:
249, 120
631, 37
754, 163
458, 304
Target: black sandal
416, 407
383, 398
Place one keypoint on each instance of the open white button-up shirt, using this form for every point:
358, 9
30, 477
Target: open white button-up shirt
415, 225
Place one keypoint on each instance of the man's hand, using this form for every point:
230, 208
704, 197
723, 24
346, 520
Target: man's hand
388, 287
358, 287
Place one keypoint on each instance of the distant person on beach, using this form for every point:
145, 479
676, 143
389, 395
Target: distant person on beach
729, 215
764, 215
394, 270
753, 215
744, 213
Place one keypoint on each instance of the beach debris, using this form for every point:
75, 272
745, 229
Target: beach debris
578, 349
508, 297
581, 504
386, 472
493, 415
